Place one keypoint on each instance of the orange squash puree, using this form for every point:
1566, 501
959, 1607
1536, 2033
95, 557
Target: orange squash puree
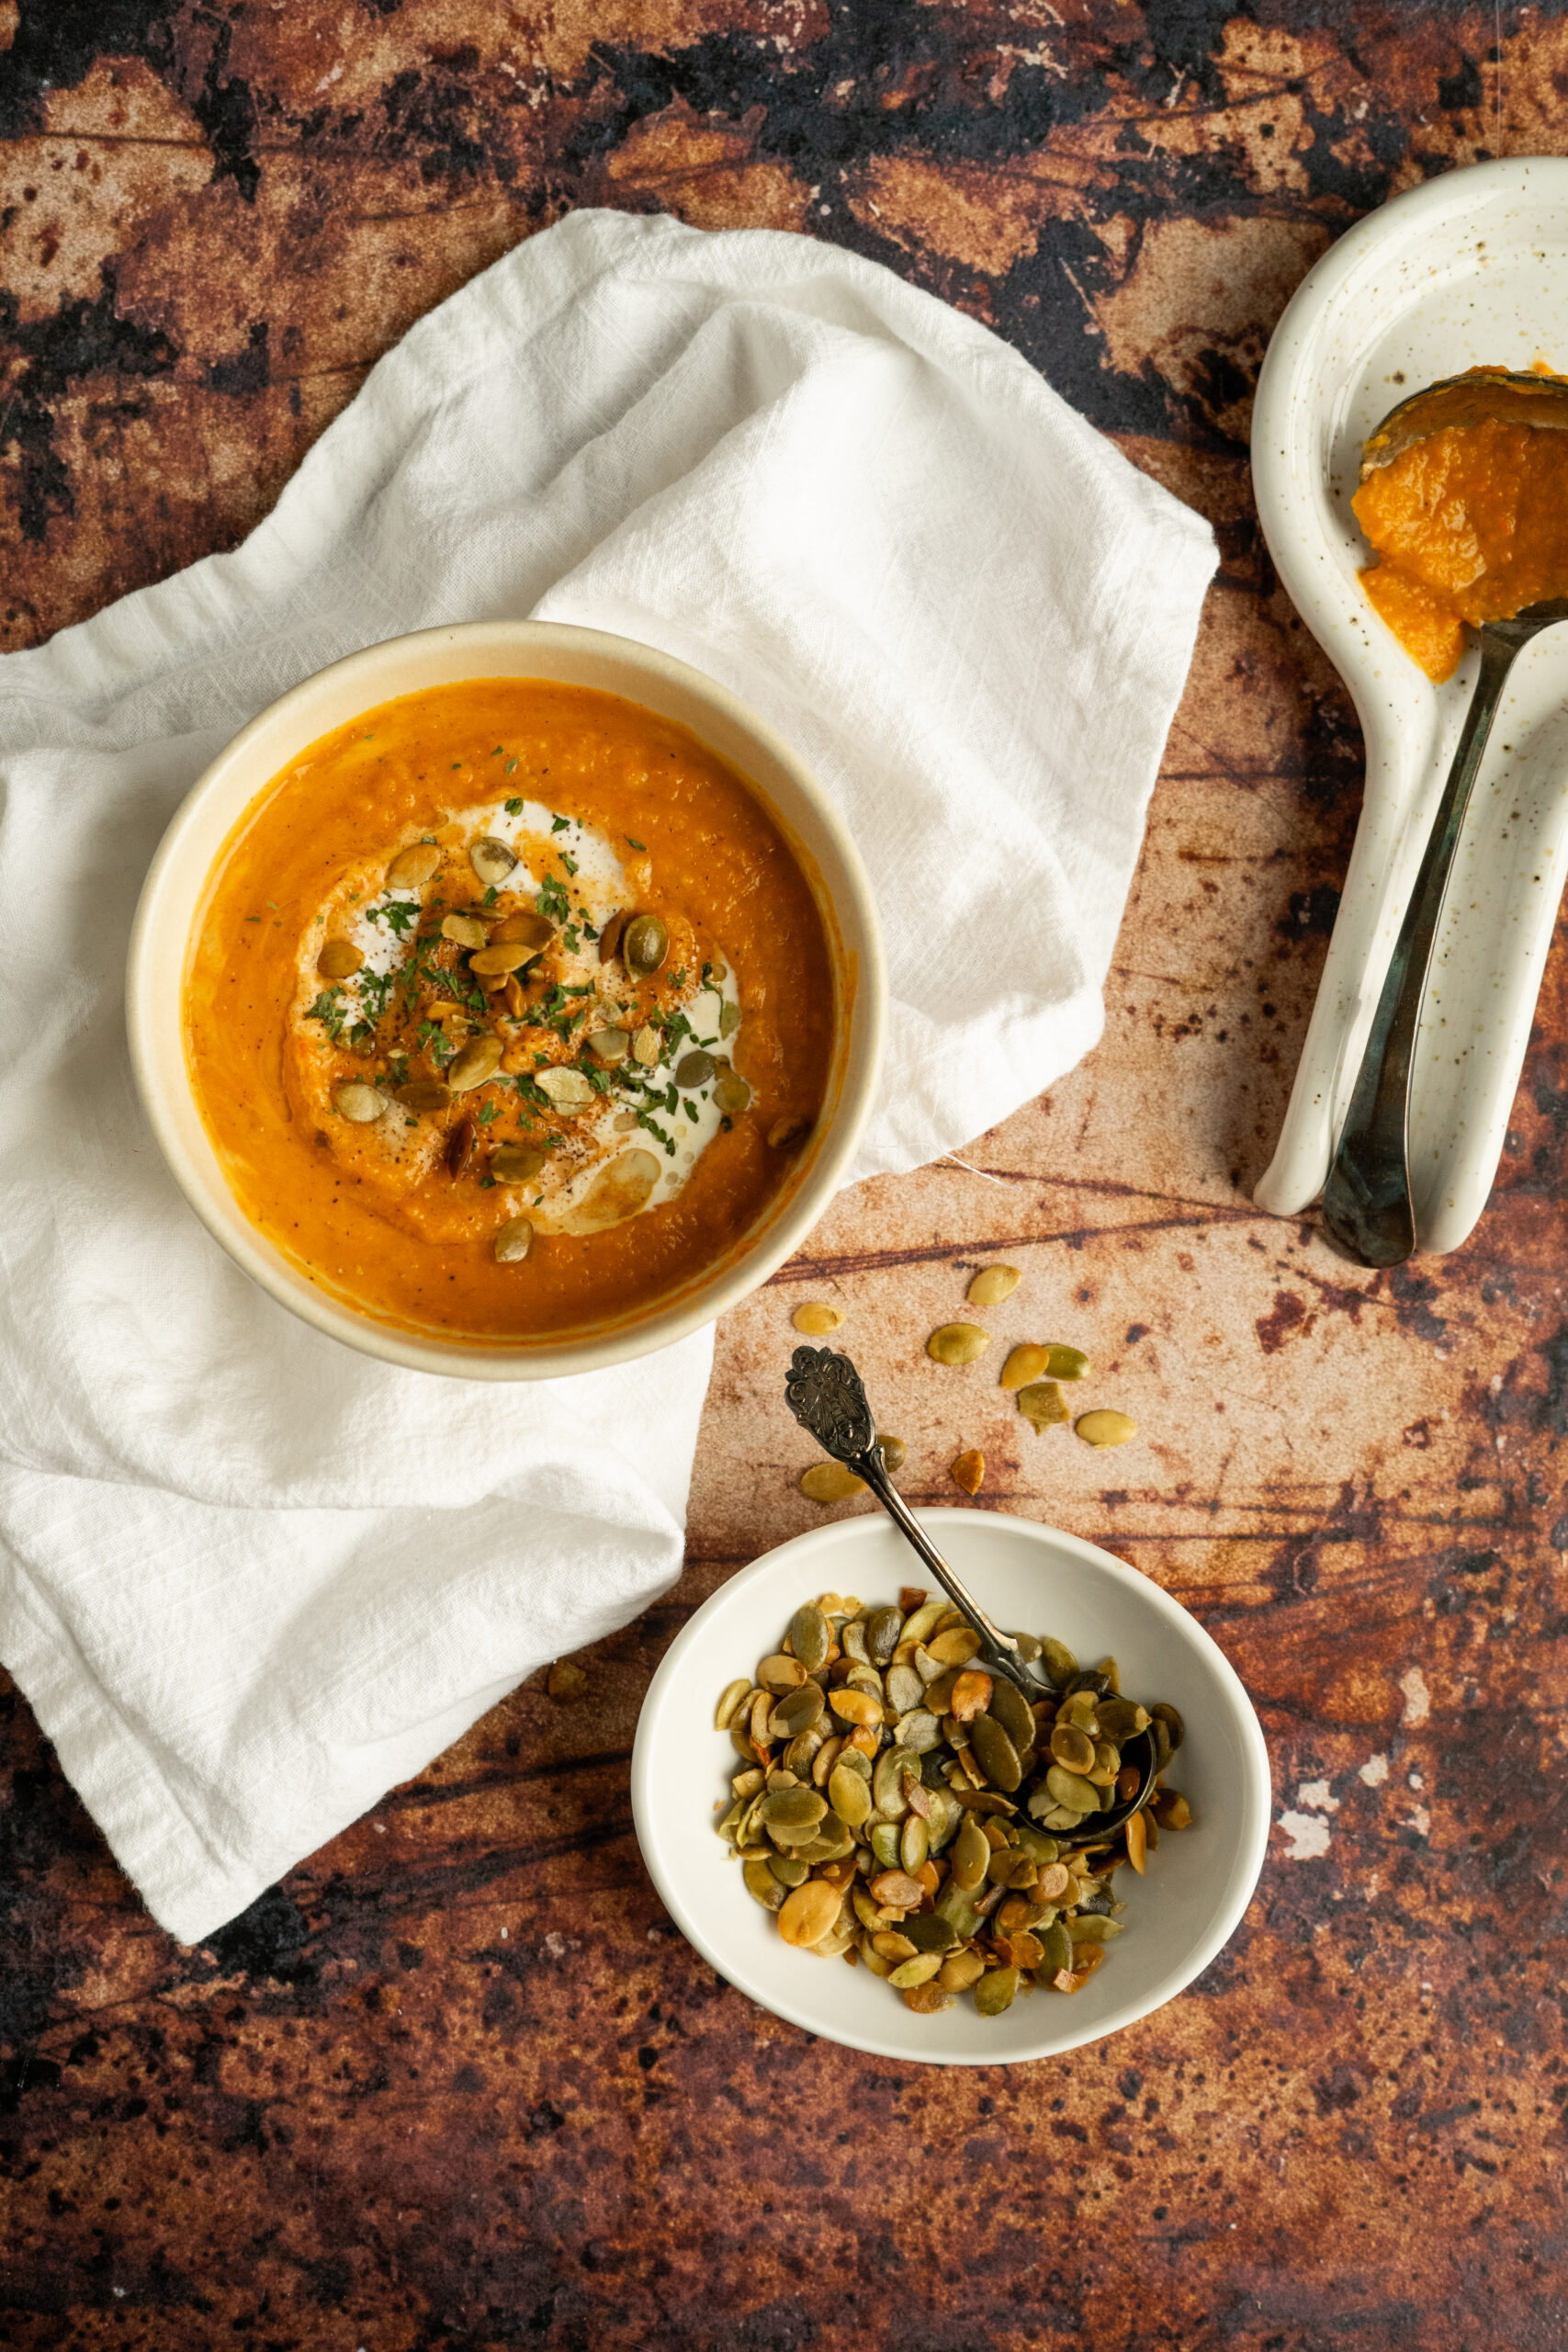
372, 1210
1470, 524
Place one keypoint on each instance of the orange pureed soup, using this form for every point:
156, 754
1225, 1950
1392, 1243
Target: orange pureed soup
510, 1010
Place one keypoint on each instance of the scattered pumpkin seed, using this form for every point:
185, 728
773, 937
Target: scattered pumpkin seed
728, 1699
807, 1912
491, 861
957, 1343
646, 1047
1025, 1364
968, 1470
355, 1101
645, 943
474, 1063
339, 959
1065, 1364
566, 1679
609, 1046
464, 931
730, 1019
829, 1482
525, 923
1104, 1427
992, 1284
1043, 1405
816, 1319
413, 866
695, 1068
460, 1148
995, 1991
894, 1452
495, 962
732, 1094
513, 1242
424, 1094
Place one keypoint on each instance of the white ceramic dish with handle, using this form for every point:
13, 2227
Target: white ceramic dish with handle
1470, 270
175, 889
1198, 1883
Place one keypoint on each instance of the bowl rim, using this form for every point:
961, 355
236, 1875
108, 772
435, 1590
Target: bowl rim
1256, 1800
522, 649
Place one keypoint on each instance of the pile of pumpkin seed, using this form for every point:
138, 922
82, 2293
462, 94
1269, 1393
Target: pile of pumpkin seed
896, 1804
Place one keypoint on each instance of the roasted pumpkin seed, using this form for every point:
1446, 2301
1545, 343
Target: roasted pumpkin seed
513, 1242
731, 1093
526, 923
992, 1284
477, 1061
358, 1102
695, 1068
1025, 1364
847, 1796
646, 1047
1043, 1405
968, 1470
338, 960
955, 1343
816, 1318
424, 1094
609, 1046
1104, 1428
645, 943
568, 1089
491, 861
464, 931
516, 1163
413, 866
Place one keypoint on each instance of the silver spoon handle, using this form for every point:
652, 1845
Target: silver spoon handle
1366, 1202
998, 1649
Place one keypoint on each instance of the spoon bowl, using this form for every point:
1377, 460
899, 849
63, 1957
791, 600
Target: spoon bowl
1481, 396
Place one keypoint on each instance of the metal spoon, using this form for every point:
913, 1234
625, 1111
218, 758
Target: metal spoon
827, 1398
1367, 1203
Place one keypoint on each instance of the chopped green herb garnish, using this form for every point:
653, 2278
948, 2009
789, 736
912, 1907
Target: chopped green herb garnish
328, 1010
635, 845
570, 862
553, 903
498, 751
508, 768
515, 807
707, 976
489, 899
253, 918
560, 824
569, 936
400, 916
689, 1108
486, 1113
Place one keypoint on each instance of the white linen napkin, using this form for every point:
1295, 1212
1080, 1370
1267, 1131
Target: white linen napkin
248, 1579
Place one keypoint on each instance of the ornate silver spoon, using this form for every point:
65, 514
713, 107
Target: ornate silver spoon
827, 1398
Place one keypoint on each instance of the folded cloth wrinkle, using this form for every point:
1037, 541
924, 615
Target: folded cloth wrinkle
248, 1580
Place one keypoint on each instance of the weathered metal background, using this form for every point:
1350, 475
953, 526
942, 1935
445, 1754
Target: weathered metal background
457, 2082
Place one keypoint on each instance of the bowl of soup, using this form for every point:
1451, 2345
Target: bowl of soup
507, 999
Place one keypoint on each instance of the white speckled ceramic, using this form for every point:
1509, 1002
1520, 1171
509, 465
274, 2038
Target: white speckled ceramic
1470, 269
1198, 1883
175, 890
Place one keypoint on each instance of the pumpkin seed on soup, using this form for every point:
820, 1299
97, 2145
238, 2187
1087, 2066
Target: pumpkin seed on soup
359, 1102
338, 960
413, 866
645, 943
928, 1846
731, 1094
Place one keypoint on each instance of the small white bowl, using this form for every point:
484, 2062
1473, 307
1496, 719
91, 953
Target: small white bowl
1035, 1578
176, 885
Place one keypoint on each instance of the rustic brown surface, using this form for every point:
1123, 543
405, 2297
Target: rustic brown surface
458, 2083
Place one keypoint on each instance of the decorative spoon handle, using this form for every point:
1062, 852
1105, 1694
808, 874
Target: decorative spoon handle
827, 1397
1366, 1205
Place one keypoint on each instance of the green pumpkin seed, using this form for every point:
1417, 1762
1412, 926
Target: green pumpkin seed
913, 1844
809, 1638
929, 1931
1059, 1663
1065, 1364
796, 1808
1071, 1788
413, 866
788, 1869
645, 943
1029, 1647
1011, 1710
885, 1844
464, 931
338, 960
849, 1796
882, 1626
1043, 1405
361, 1103
997, 1756
568, 1089
1090, 1927
762, 1887
646, 1047
695, 1068
479, 1060
513, 1242
729, 1698
424, 1094
1071, 1748
992, 1284
516, 1163
829, 1482
732, 1094
995, 1991
1056, 1953
609, 1046
831, 1843
491, 861
920, 1731
919, 1971
797, 1711
1105, 1427
957, 1343
971, 1852
1120, 1719
1175, 1730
